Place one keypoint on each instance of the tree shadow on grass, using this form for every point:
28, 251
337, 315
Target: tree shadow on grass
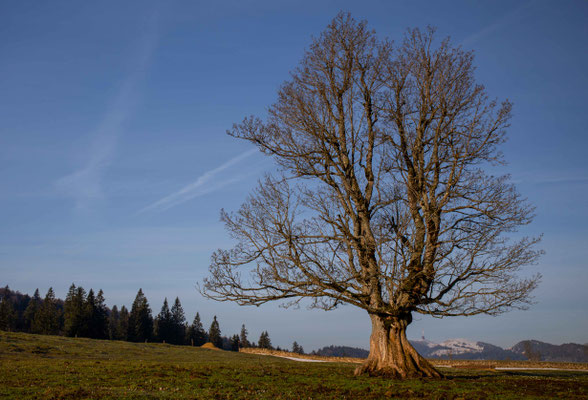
546, 374
521, 374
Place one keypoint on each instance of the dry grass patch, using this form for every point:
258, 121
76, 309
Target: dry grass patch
210, 346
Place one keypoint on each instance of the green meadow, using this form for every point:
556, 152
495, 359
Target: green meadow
54, 367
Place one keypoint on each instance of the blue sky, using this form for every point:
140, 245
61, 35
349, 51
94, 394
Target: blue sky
114, 162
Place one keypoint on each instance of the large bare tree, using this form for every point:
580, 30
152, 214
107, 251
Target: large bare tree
381, 201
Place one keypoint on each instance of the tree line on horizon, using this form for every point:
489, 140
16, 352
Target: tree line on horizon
85, 314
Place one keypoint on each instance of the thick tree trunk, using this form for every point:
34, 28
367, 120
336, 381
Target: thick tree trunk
391, 354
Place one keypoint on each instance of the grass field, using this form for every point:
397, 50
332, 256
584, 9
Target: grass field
53, 367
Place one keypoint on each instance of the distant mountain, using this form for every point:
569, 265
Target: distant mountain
423, 346
464, 349
342, 351
456, 347
567, 352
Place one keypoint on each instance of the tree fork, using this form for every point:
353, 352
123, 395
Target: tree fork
391, 354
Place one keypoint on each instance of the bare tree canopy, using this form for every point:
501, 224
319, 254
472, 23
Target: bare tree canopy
382, 200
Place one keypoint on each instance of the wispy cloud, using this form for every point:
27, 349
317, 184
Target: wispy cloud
498, 24
204, 184
85, 184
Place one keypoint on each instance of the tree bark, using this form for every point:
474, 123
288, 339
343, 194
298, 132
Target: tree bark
391, 354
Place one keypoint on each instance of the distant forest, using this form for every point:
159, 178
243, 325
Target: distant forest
84, 314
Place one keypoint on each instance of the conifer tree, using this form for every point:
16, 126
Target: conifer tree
20, 303
31, 310
234, 343
140, 319
196, 334
74, 312
7, 315
243, 342
89, 316
178, 323
123, 325
164, 324
80, 321
69, 311
264, 341
114, 323
47, 319
296, 348
100, 321
214, 334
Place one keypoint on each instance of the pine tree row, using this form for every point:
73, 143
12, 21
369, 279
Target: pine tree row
84, 314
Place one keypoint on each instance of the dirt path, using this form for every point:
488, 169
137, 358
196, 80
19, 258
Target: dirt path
300, 359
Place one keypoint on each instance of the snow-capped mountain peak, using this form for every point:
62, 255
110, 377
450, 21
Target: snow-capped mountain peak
457, 346
462, 345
